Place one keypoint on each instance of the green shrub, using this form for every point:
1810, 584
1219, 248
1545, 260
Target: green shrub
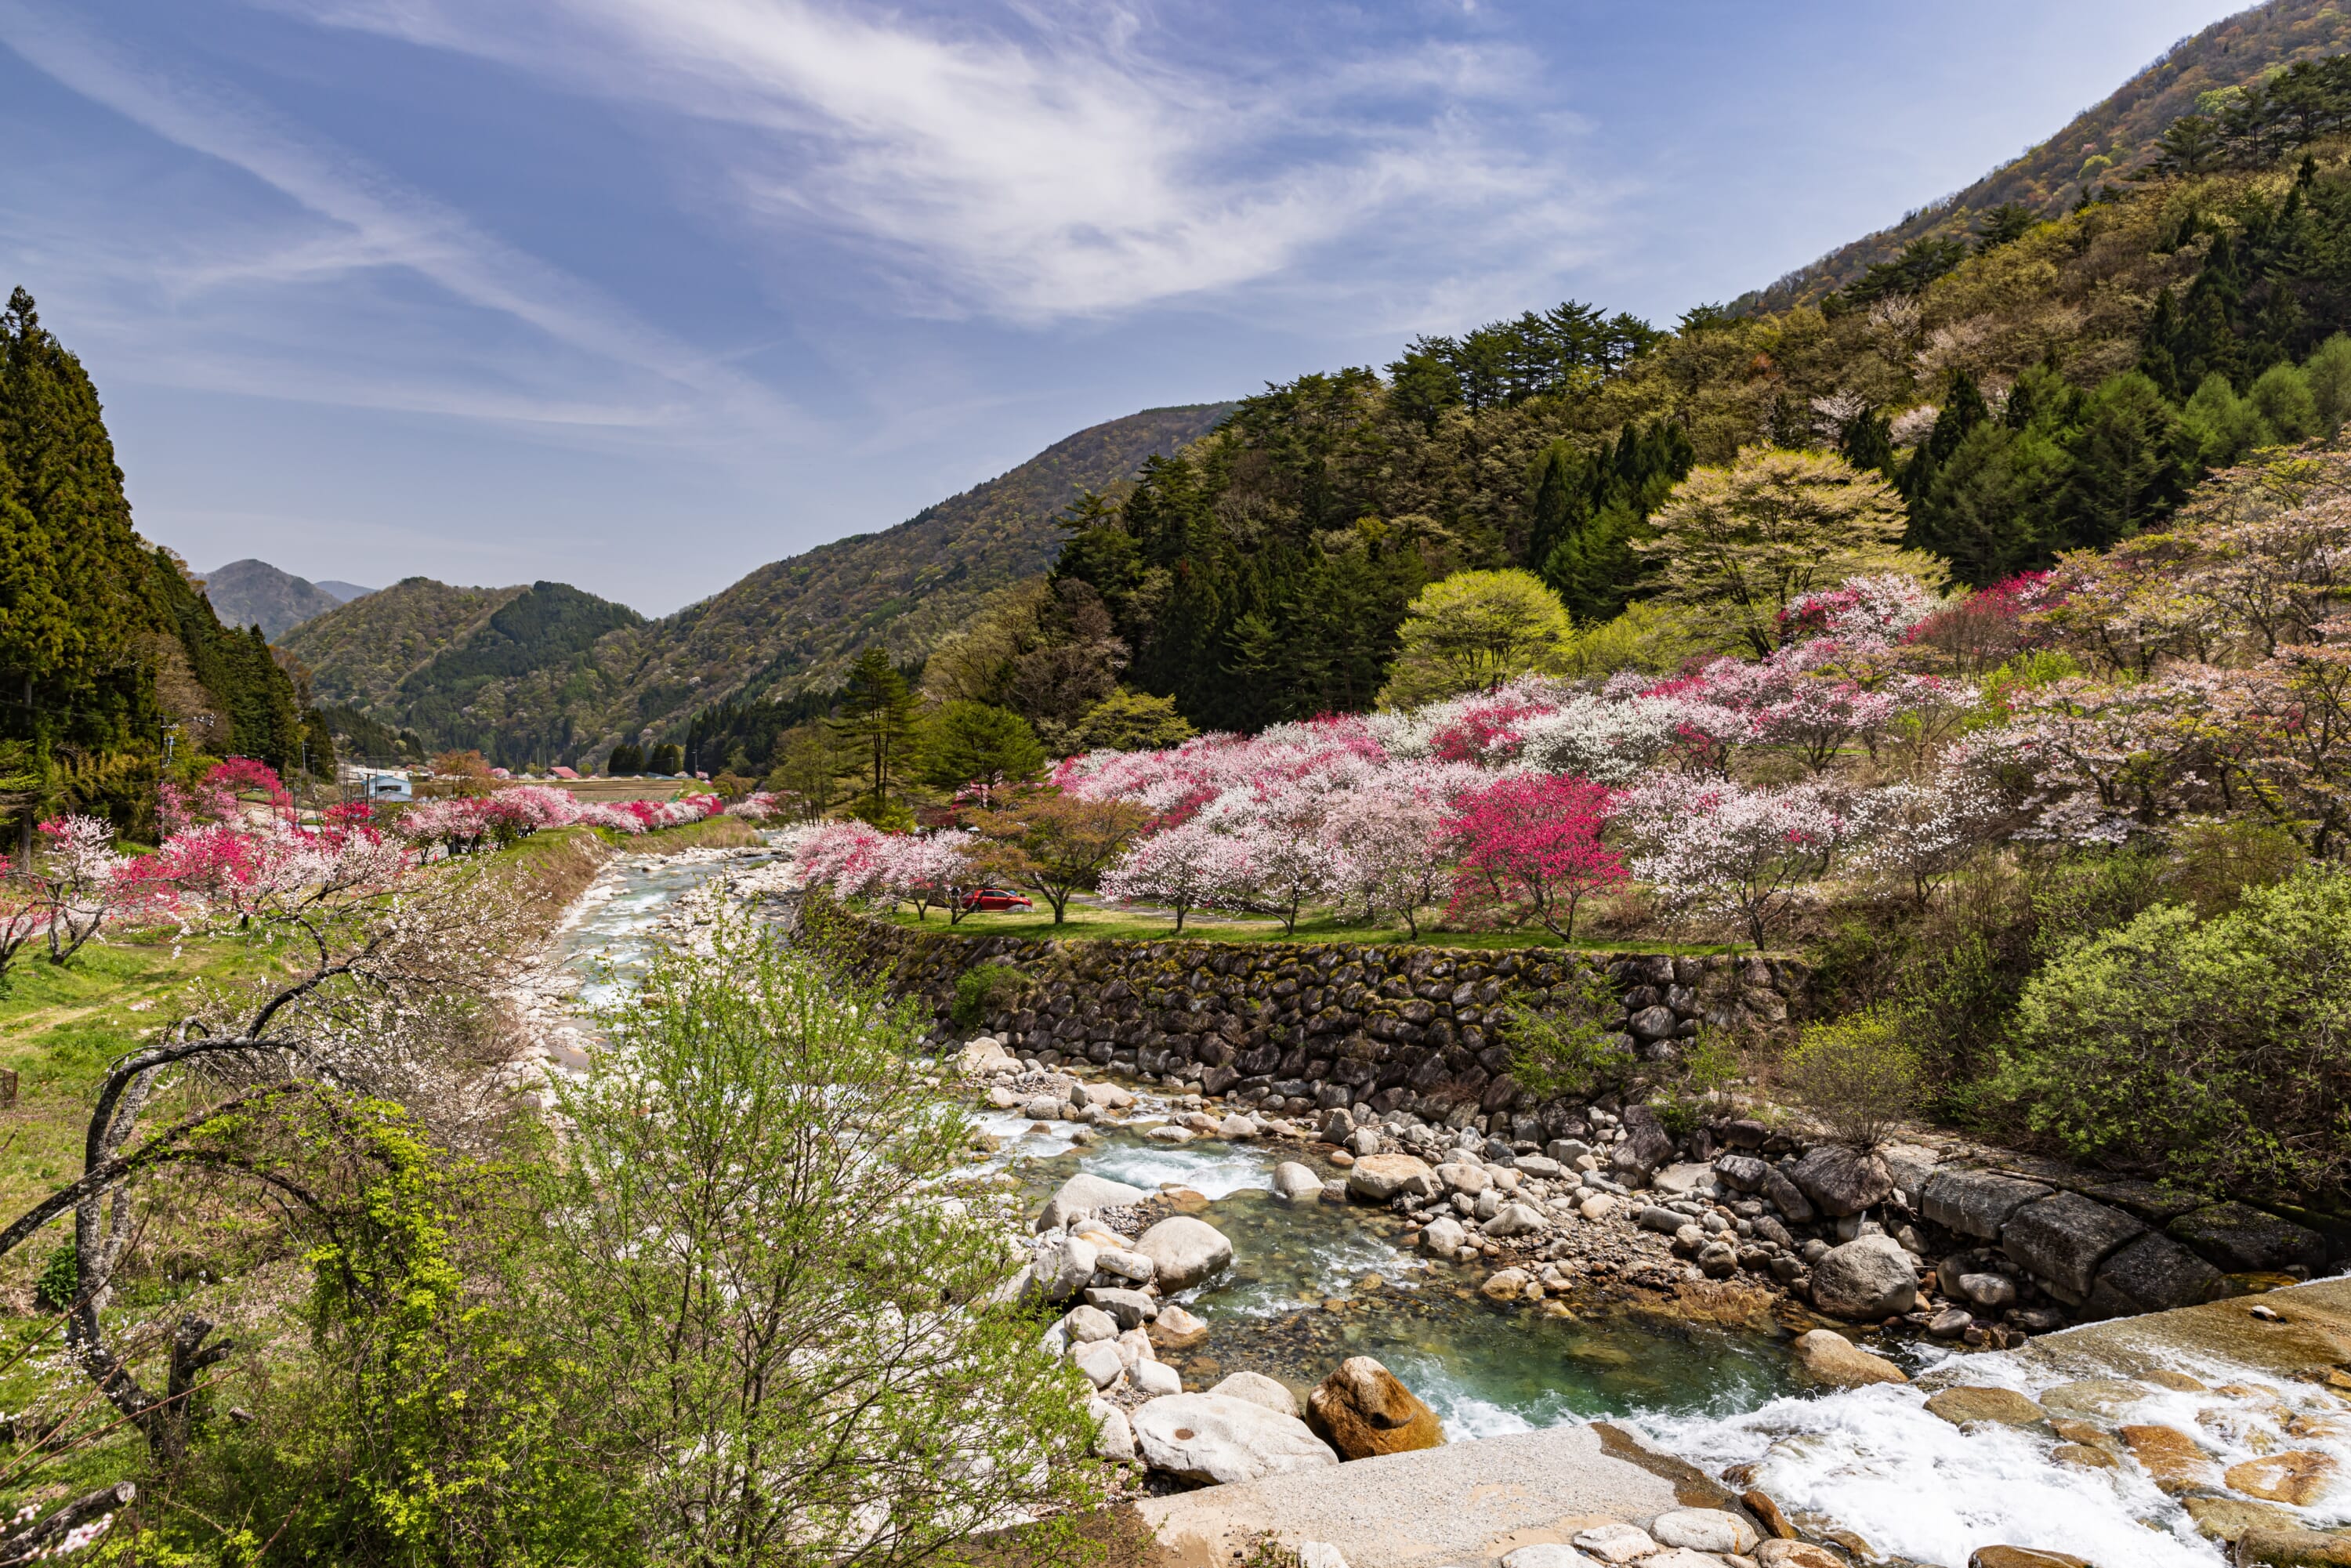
985, 988
60, 1280
1709, 1065
2216, 1052
1860, 1075
1570, 1051
2216, 864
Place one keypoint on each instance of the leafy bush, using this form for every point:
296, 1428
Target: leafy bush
2212, 1052
985, 988
1569, 1051
1860, 1075
1709, 1065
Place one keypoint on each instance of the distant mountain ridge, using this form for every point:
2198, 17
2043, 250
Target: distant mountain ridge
255, 593
2104, 143
550, 673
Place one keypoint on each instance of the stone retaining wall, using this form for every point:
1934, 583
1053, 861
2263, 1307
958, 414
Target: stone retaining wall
1315, 1025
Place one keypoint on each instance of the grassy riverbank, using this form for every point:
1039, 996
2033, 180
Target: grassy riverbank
1087, 920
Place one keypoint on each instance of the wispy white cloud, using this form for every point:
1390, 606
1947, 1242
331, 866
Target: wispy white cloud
1055, 163
222, 298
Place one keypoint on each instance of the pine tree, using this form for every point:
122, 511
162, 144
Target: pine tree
877, 723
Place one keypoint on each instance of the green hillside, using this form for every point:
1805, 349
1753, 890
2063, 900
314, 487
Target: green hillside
2099, 149
544, 674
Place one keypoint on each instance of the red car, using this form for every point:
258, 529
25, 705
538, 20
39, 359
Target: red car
995, 899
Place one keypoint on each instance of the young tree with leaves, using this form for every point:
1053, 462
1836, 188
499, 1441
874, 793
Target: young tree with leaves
1054, 844
1472, 632
1736, 545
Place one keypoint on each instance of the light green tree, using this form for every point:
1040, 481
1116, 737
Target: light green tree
962, 741
1134, 721
1470, 633
1737, 544
791, 1316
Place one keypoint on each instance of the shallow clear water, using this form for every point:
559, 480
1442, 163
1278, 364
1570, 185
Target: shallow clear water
612, 942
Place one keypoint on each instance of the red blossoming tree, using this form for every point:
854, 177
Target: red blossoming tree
1530, 848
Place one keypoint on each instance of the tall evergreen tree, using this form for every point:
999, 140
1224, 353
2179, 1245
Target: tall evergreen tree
876, 721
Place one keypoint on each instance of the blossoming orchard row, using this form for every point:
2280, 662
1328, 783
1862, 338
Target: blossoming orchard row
2203, 672
223, 854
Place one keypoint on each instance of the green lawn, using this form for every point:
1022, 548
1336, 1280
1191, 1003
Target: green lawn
1093, 920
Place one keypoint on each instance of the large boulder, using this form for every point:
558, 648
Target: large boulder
1184, 1251
1176, 1330
1740, 1173
2061, 1240
1833, 1359
1646, 1145
1259, 1389
1865, 1279
1515, 1219
1840, 1181
1062, 1265
1214, 1439
1082, 1194
1362, 1410
2152, 1274
1704, 1530
2242, 1239
1785, 1196
1444, 1236
1976, 1203
1376, 1179
1291, 1179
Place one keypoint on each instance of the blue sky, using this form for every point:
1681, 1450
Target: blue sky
640, 294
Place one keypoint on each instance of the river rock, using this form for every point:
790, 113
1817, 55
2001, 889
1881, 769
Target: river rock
1134, 1268
2299, 1477
1105, 1096
1976, 1203
1154, 1378
1989, 1291
1211, 1438
1128, 1309
2023, 1557
1831, 1358
1964, 1406
2242, 1239
1683, 1557
1176, 1330
1663, 1220
1515, 1219
1740, 1173
1376, 1179
1100, 1362
1599, 1206
1293, 1180
2152, 1274
1259, 1389
2061, 1240
1684, 1180
1062, 1266
1785, 1196
1184, 1251
1616, 1541
2294, 1548
1864, 1279
1362, 1410
1506, 1284
1087, 1324
2229, 1518
1443, 1236
1840, 1181
1546, 1554
1459, 1175
1704, 1530
2172, 1458
1795, 1554
1084, 1194
1113, 1438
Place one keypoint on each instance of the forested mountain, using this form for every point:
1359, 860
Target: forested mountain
106, 643
2207, 73
256, 593
2060, 384
425, 656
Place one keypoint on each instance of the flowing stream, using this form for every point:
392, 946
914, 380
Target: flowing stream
1313, 1283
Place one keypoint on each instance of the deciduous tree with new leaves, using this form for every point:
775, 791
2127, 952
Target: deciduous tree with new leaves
1735, 546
